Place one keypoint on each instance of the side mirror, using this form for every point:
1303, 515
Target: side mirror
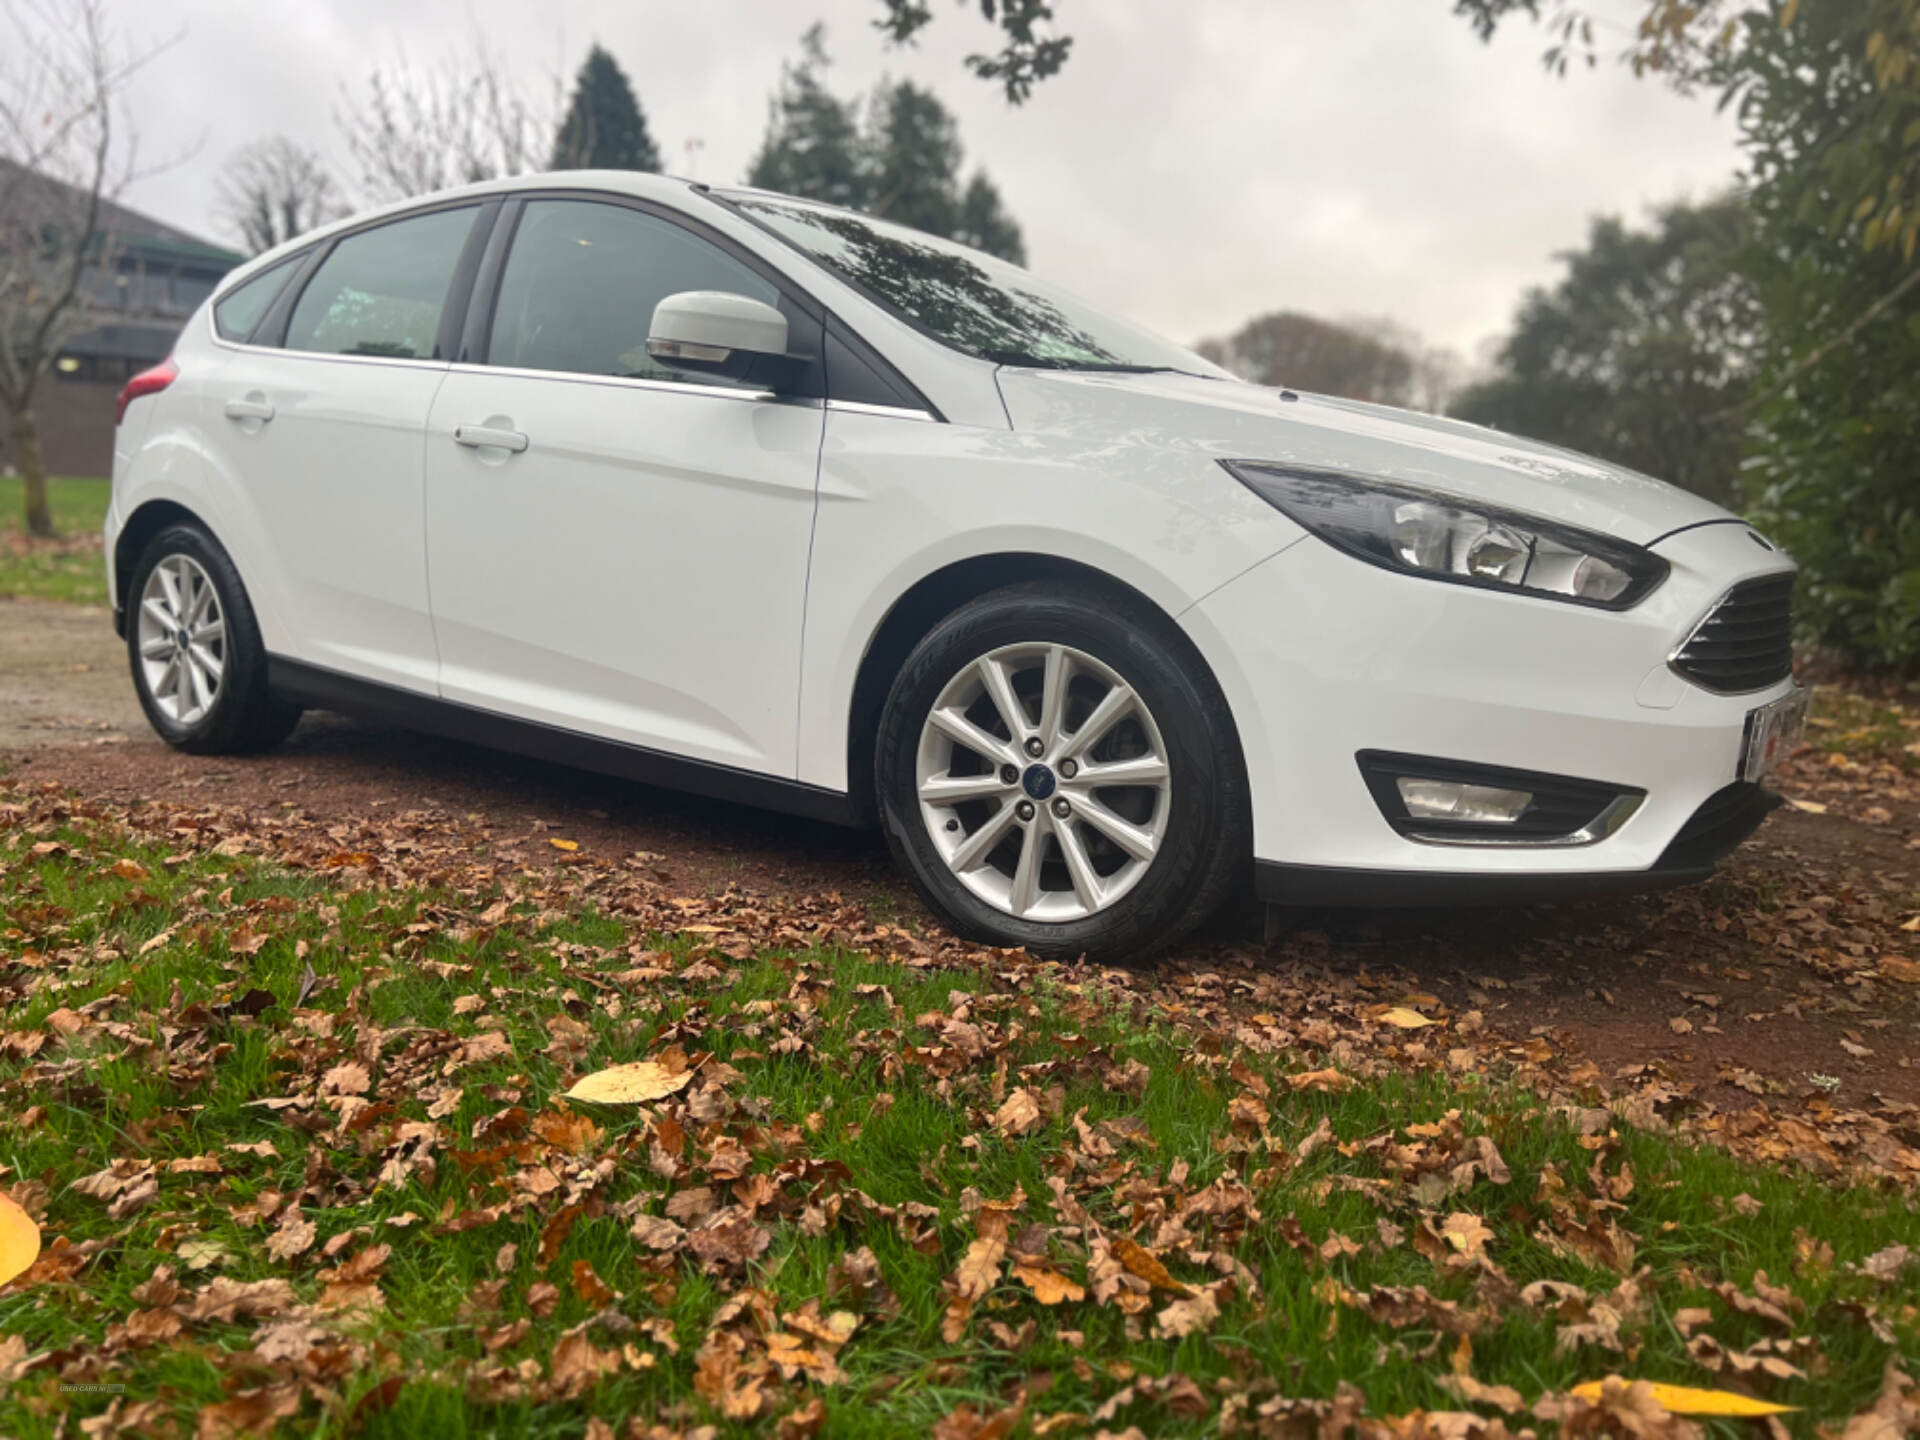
719, 333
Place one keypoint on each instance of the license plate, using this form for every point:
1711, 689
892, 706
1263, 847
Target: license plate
1772, 733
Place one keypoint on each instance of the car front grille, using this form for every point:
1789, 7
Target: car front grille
1746, 642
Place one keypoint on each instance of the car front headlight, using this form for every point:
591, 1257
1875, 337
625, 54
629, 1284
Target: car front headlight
1443, 537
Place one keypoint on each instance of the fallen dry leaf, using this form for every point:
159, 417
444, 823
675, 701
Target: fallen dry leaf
1049, 1286
1685, 1400
1143, 1262
630, 1084
1467, 1234
1188, 1316
1403, 1018
19, 1240
1019, 1115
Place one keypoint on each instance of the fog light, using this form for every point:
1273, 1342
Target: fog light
1451, 800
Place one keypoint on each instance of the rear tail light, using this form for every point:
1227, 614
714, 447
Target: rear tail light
147, 382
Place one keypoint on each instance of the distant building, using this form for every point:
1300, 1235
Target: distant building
149, 278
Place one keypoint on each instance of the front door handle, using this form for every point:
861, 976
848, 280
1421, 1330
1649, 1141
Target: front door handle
250, 407
486, 437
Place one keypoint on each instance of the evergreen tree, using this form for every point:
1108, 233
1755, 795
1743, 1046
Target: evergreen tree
915, 146
903, 164
985, 223
603, 128
812, 146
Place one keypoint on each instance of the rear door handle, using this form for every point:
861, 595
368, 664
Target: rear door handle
250, 408
485, 437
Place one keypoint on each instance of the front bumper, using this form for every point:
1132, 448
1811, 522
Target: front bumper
1723, 821
1322, 657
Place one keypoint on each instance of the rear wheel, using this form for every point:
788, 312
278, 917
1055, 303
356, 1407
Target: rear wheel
198, 663
1056, 772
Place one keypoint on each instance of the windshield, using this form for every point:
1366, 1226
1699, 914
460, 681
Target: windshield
968, 299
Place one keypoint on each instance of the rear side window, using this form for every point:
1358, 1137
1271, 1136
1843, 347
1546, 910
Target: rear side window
381, 291
581, 282
239, 311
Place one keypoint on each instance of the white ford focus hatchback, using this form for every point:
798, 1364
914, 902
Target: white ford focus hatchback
777, 503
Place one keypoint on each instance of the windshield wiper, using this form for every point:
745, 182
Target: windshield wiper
1055, 362
1116, 368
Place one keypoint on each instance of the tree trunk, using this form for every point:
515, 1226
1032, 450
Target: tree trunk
33, 471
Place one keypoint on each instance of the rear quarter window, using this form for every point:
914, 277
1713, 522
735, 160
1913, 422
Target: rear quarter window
240, 309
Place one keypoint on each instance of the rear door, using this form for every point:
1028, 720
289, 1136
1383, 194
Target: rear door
321, 421
617, 547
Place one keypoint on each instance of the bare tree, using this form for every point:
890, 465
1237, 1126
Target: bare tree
273, 190
1438, 372
62, 159
416, 131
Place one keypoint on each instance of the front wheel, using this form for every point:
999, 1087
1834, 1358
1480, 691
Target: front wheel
199, 666
1056, 771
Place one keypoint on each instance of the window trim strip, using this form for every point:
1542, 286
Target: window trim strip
630, 382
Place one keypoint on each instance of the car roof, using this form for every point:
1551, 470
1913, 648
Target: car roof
641, 184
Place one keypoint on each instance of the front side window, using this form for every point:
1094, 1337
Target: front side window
581, 283
240, 309
966, 298
381, 292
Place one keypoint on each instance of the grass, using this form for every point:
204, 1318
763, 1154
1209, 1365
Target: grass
68, 568
1865, 726
838, 1065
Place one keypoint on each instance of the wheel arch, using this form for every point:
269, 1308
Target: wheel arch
147, 521
932, 598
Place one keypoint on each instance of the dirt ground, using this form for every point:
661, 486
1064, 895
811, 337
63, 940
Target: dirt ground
63, 677
1796, 972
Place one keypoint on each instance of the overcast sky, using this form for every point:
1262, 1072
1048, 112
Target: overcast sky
1197, 162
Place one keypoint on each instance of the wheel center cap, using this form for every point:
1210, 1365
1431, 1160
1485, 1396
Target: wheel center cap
1038, 782
181, 639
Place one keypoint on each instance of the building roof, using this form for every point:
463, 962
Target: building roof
21, 190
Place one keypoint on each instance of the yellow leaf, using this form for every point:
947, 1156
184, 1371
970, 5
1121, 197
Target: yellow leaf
560, 844
1685, 1400
630, 1084
1049, 1286
19, 1240
1406, 1019
1791, 9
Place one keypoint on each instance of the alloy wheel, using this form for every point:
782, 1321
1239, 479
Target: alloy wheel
183, 639
1043, 782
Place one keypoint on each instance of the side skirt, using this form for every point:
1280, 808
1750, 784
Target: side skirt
322, 689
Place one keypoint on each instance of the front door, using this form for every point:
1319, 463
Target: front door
614, 547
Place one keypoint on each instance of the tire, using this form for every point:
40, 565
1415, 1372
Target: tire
1086, 893
232, 713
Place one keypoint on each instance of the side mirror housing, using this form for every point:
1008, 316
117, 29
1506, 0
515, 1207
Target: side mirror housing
719, 333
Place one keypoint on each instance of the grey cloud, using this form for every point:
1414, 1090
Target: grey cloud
1194, 164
